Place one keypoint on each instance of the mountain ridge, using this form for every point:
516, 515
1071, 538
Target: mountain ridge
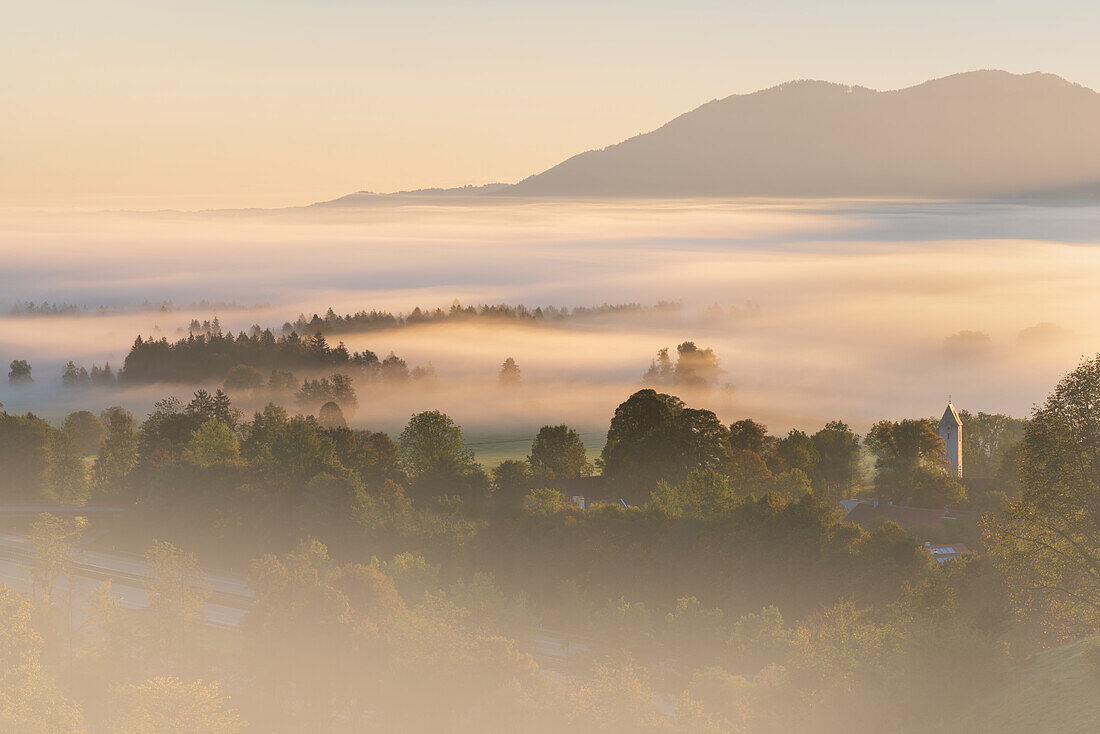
979, 134
985, 133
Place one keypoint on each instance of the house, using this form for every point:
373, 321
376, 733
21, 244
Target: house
586, 492
945, 553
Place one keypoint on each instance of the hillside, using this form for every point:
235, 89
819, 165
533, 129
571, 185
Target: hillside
978, 134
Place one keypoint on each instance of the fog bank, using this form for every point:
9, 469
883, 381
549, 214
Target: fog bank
866, 310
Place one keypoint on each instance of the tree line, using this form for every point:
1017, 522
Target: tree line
390, 572
379, 320
212, 357
45, 308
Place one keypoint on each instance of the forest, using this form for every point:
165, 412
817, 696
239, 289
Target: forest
208, 352
236, 361
45, 308
378, 320
708, 582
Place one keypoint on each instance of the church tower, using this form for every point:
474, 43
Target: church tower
951, 433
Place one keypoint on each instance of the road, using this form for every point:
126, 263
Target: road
86, 510
228, 600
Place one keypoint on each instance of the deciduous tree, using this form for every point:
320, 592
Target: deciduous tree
20, 373
167, 705
119, 453
1048, 541
557, 453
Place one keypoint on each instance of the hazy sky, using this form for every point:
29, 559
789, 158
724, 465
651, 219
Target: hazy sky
232, 103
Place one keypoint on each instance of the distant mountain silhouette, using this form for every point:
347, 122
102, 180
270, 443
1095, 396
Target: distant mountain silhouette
362, 197
978, 134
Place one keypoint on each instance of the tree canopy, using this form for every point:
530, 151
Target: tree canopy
19, 373
654, 437
558, 453
909, 464
435, 456
1048, 541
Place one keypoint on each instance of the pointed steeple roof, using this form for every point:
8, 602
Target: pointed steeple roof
950, 417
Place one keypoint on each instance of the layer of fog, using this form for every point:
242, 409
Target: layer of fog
866, 310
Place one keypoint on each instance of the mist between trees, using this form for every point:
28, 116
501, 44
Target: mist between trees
398, 585
206, 351
258, 367
710, 583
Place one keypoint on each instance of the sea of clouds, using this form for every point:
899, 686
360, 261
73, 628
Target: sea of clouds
865, 310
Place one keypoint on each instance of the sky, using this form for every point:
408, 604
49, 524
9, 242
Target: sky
156, 104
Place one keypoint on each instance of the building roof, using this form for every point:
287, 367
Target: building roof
866, 514
950, 417
946, 552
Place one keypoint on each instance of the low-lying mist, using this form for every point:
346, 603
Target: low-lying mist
865, 311
301, 577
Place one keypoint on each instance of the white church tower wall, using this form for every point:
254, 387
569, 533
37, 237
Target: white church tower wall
951, 433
